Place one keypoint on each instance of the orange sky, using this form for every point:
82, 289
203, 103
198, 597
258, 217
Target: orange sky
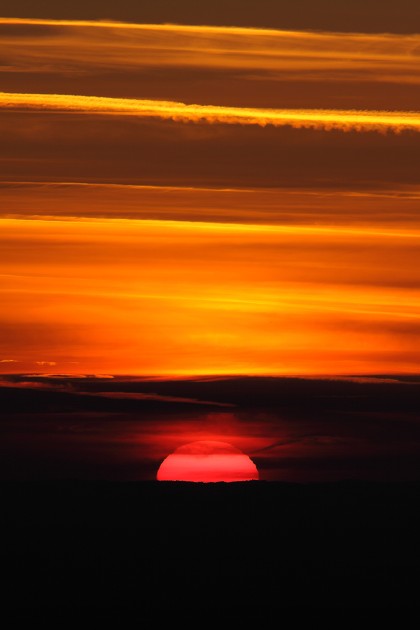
148, 296
195, 200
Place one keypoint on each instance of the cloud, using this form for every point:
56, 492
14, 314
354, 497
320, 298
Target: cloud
48, 363
74, 383
8, 361
219, 46
159, 397
343, 120
128, 149
375, 16
69, 376
285, 206
23, 384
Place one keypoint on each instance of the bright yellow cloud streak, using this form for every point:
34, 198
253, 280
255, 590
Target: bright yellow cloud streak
343, 120
133, 26
125, 227
106, 24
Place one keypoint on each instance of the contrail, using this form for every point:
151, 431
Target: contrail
326, 119
115, 24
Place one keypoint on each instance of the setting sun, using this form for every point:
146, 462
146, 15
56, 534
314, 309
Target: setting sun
207, 461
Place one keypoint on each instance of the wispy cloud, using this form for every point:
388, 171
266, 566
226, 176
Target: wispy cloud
69, 376
24, 384
215, 46
397, 208
156, 397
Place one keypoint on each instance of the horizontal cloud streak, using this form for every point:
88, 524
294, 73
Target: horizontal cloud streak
116, 395
343, 120
396, 209
247, 46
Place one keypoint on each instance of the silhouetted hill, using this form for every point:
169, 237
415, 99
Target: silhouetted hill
247, 546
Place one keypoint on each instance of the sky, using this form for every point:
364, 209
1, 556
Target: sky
225, 190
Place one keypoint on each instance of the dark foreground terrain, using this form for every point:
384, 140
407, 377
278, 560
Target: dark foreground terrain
172, 546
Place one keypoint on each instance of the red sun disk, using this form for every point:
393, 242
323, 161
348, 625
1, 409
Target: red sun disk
207, 461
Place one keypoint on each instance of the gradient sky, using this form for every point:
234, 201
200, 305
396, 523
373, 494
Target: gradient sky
196, 198
198, 202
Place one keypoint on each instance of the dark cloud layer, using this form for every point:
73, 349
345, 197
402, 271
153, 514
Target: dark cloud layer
84, 148
295, 429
